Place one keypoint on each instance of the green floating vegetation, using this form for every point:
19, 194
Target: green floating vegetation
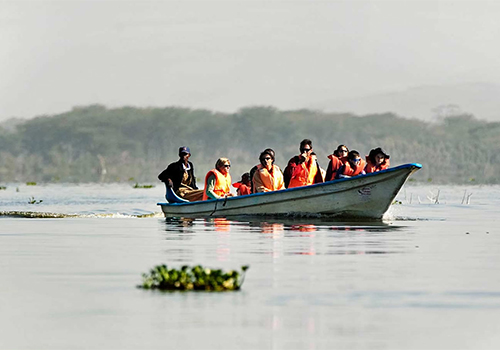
32, 200
397, 202
3, 188
143, 186
193, 278
35, 215
30, 183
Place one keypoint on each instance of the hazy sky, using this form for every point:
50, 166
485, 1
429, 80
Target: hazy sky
224, 55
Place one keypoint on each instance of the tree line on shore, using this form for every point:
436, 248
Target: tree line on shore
98, 144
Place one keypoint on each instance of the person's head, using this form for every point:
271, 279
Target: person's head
306, 147
341, 151
184, 152
223, 165
354, 158
245, 178
270, 151
267, 158
377, 156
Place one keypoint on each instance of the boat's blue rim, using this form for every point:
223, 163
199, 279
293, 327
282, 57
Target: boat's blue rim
410, 165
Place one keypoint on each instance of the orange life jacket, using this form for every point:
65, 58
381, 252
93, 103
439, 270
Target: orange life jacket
372, 168
350, 171
304, 173
335, 164
222, 224
222, 183
272, 181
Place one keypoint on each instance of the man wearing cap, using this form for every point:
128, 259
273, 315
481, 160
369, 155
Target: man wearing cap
180, 176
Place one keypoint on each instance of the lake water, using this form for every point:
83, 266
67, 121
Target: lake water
427, 277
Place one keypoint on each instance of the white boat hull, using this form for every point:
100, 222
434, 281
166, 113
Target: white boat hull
364, 196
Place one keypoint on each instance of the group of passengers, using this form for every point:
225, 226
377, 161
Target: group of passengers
301, 170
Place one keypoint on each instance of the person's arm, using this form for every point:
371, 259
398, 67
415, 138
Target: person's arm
329, 173
258, 185
163, 177
193, 182
289, 170
279, 175
252, 172
167, 175
319, 174
340, 173
210, 187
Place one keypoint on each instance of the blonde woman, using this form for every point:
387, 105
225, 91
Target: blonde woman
218, 181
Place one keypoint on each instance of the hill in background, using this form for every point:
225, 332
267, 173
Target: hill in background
97, 144
426, 102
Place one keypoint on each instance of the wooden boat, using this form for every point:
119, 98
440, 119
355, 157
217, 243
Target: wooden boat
363, 196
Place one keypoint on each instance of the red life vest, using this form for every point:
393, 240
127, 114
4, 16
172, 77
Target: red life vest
335, 164
372, 168
350, 171
222, 184
242, 189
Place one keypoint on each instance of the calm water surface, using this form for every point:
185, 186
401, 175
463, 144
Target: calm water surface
427, 277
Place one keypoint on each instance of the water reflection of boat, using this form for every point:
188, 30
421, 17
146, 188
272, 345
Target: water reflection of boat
365, 196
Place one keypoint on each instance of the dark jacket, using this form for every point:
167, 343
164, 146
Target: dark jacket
252, 172
175, 172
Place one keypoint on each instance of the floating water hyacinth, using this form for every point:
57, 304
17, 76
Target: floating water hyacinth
32, 200
143, 186
193, 278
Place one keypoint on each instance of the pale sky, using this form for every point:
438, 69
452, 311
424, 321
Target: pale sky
224, 55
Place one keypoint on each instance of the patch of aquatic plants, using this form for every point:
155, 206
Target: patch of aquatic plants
3, 188
143, 186
30, 183
195, 278
32, 200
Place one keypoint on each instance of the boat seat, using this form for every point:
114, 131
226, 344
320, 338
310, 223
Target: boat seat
171, 197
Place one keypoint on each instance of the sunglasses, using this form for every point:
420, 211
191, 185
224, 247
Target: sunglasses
267, 158
305, 149
357, 160
227, 165
343, 151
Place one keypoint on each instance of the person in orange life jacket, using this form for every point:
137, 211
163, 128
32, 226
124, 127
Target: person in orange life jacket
268, 176
243, 187
354, 166
303, 169
270, 151
218, 181
377, 160
180, 177
337, 159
